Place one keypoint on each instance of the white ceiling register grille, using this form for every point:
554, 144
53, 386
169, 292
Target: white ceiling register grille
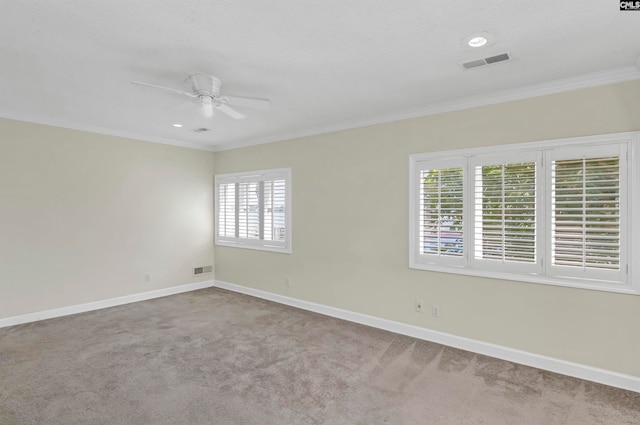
486, 61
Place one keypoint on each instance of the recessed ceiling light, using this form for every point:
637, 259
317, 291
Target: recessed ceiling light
177, 125
478, 41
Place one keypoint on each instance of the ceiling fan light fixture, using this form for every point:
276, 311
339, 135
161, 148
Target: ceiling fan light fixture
206, 102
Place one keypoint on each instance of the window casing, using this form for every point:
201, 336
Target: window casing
253, 210
556, 212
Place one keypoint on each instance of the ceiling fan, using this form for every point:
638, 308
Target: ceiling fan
205, 90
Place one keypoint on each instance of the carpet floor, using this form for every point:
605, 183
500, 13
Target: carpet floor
218, 357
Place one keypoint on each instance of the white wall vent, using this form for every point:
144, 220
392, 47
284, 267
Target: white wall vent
486, 61
202, 270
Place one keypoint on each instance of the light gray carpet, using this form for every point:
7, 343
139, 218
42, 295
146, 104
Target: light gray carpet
216, 357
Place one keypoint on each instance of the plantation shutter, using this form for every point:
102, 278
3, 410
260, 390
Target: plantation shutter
556, 212
248, 210
252, 209
587, 211
227, 210
505, 213
441, 212
274, 210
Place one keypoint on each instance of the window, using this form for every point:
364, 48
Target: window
554, 212
588, 213
253, 210
441, 225
505, 219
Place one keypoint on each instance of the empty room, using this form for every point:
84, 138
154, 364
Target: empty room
319, 213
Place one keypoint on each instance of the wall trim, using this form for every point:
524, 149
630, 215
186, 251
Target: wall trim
89, 128
595, 79
576, 370
584, 81
97, 305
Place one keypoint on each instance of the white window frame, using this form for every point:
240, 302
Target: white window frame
496, 159
542, 271
440, 261
255, 176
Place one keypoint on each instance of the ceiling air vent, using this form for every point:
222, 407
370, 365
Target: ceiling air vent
201, 130
486, 61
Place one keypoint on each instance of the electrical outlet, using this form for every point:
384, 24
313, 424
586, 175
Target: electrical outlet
419, 306
147, 277
287, 281
435, 310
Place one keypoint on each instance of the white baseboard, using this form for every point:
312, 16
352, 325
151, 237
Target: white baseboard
97, 305
551, 364
576, 370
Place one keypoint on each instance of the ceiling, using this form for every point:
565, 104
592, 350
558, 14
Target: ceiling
325, 65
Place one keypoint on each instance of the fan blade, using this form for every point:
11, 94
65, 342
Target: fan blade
194, 83
247, 101
229, 111
186, 93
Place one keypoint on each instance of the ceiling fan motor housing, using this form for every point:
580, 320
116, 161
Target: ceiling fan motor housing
205, 84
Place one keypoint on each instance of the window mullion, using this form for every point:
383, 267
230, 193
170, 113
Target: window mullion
237, 209
468, 195
584, 214
503, 223
261, 217
543, 214
439, 205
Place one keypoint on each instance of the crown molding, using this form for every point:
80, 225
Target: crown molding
104, 131
595, 79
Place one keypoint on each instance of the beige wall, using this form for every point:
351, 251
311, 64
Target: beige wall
350, 221
83, 217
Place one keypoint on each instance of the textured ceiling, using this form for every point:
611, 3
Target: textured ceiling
323, 64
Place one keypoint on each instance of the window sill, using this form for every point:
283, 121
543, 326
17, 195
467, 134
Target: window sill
619, 288
277, 249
